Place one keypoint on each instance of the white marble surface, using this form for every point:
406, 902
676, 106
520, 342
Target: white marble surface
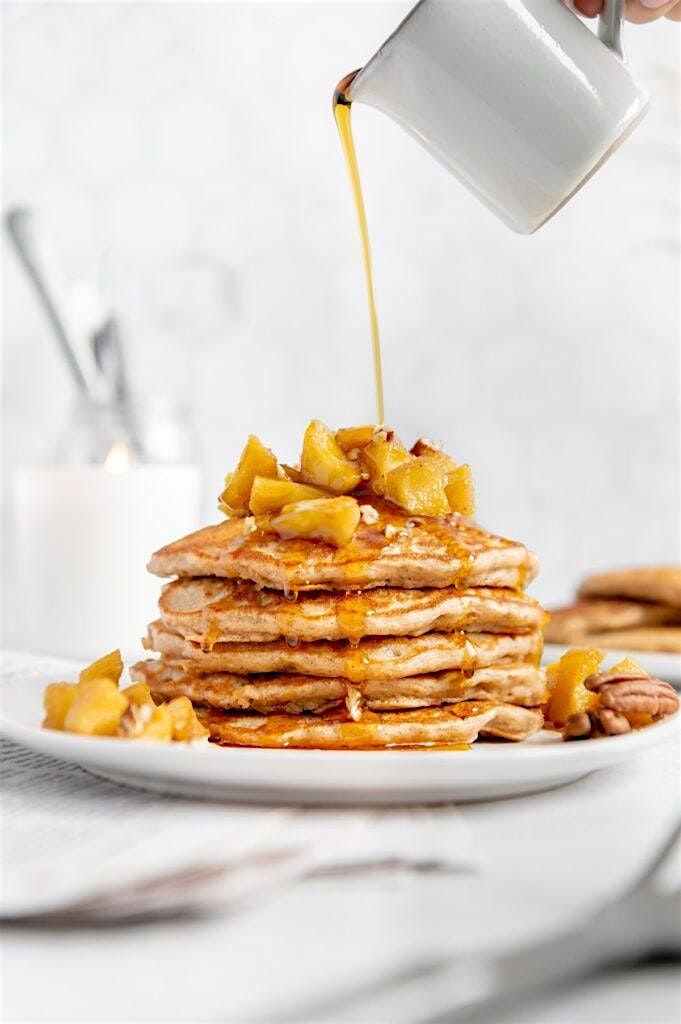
544, 862
189, 148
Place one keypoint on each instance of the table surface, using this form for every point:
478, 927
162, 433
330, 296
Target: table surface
544, 861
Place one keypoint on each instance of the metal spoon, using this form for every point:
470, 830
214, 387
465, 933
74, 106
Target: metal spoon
30, 248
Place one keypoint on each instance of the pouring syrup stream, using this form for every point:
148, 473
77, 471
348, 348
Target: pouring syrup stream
342, 114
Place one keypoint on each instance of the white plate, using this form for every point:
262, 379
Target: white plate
488, 771
664, 666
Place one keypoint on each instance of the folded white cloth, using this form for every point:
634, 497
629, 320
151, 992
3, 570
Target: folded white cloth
76, 845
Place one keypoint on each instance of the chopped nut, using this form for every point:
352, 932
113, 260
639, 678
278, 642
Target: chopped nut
391, 531
611, 722
424, 446
353, 702
577, 727
135, 719
368, 514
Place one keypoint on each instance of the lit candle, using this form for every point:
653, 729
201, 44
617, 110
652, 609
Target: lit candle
83, 536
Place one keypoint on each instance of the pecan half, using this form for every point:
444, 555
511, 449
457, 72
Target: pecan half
620, 695
578, 727
634, 694
602, 722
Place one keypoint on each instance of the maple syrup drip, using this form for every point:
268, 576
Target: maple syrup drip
210, 637
352, 613
342, 114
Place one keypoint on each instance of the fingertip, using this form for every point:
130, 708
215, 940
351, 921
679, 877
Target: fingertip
642, 13
589, 8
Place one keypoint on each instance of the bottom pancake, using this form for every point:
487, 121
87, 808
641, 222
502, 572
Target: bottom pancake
426, 727
514, 684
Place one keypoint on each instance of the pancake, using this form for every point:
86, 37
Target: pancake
572, 624
397, 551
645, 638
661, 585
458, 723
514, 684
378, 658
228, 611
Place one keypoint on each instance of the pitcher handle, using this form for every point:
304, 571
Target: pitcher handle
610, 23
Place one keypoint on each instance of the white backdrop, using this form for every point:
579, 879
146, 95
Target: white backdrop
191, 147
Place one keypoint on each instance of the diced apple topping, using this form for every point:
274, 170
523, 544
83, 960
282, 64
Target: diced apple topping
57, 701
380, 457
96, 709
628, 667
351, 438
94, 706
138, 693
459, 490
185, 724
324, 463
255, 460
108, 667
333, 520
271, 495
423, 481
419, 488
565, 678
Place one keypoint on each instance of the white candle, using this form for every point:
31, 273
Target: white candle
83, 536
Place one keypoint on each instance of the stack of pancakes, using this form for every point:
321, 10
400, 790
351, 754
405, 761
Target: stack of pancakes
415, 632
631, 609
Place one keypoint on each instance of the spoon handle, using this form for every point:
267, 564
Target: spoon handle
21, 229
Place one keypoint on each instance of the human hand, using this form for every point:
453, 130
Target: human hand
638, 11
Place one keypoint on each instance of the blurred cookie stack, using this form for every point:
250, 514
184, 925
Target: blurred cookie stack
627, 609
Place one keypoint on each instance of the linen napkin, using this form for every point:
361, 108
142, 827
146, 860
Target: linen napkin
77, 846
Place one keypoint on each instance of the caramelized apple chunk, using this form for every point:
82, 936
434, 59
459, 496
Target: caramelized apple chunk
333, 520
147, 722
292, 473
324, 463
255, 460
271, 495
351, 438
138, 693
108, 667
57, 701
185, 725
565, 678
96, 709
419, 488
379, 458
459, 490
628, 667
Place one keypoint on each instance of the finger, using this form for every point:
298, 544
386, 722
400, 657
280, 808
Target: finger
589, 8
638, 11
643, 11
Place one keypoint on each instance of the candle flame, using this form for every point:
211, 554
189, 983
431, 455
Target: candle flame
119, 458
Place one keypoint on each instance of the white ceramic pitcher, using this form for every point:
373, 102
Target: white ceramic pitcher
518, 98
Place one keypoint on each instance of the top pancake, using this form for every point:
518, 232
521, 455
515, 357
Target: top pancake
398, 550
